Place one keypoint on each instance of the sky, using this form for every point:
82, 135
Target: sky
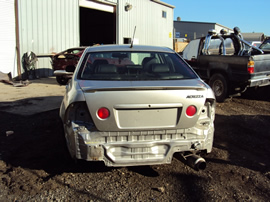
248, 15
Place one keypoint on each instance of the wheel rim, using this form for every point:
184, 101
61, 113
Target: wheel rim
218, 87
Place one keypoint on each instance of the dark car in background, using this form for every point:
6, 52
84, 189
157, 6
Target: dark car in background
253, 43
66, 58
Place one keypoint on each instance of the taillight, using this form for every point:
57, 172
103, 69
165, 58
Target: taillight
78, 113
191, 110
250, 67
103, 113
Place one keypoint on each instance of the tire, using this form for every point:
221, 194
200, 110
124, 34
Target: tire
62, 80
219, 85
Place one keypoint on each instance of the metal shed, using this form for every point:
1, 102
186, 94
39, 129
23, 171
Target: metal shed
46, 27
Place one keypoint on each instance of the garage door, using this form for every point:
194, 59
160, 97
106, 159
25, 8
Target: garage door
97, 22
7, 38
97, 6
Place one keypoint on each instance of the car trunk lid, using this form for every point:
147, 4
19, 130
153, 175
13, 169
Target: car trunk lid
144, 105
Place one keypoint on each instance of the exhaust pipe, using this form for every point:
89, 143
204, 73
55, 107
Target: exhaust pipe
196, 162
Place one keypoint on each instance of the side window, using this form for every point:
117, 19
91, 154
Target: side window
164, 14
127, 41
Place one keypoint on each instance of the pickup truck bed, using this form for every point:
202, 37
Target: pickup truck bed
221, 61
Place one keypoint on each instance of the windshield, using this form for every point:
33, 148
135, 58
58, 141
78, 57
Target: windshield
134, 66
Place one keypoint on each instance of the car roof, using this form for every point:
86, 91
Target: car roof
128, 48
77, 48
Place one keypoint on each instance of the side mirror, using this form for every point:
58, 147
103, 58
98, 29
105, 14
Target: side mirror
70, 68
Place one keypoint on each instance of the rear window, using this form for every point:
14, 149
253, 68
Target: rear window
134, 66
215, 47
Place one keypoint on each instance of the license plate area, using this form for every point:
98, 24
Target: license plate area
148, 118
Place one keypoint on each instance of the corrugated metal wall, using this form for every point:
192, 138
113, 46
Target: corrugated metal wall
47, 26
193, 30
50, 26
151, 27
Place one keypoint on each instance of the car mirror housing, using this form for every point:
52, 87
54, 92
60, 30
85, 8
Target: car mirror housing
62, 73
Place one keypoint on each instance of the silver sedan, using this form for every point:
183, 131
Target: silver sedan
129, 106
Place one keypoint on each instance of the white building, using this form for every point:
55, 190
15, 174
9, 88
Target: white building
50, 26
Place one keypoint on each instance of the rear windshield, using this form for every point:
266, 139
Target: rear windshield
134, 66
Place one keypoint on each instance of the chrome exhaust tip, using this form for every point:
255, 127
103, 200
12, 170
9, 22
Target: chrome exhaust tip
196, 162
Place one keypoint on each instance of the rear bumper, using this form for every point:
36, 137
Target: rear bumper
260, 81
136, 147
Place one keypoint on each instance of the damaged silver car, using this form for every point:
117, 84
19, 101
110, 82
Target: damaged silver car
136, 105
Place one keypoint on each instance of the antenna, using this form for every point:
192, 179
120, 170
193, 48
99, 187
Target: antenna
131, 45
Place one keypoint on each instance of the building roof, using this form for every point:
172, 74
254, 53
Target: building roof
253, 36
214, 23
163, 3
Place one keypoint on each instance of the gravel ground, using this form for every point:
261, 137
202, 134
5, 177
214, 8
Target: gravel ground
35, 165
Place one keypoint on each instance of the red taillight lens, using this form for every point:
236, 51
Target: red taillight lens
103, 113
191, 110
250, 70
250, 67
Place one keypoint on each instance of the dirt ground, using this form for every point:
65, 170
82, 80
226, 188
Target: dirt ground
35, 166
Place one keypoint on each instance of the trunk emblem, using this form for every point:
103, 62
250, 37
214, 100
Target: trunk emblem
194, 96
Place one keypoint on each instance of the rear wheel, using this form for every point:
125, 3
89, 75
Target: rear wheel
219, 85
61, 80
